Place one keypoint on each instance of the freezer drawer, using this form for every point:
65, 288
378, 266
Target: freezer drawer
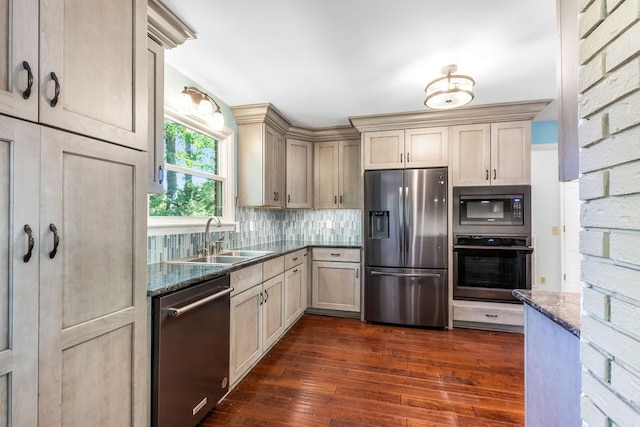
412, 297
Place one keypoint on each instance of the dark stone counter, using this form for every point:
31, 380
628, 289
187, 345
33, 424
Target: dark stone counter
165, 277
562, 308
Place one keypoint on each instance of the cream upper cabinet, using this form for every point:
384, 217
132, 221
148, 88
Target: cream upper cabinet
410, 148
19, 61
93, 68
155, 124
299, 174
492, 154
19, 271
337, 174
93, 315
261, 156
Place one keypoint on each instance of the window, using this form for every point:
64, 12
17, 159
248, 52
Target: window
197, 181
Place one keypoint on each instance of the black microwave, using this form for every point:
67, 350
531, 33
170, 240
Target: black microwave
500, 209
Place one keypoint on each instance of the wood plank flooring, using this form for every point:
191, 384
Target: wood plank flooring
338, 372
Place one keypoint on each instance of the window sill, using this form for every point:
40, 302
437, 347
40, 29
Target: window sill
158, 227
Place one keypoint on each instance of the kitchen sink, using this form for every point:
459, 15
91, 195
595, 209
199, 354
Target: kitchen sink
243, 253
211, 259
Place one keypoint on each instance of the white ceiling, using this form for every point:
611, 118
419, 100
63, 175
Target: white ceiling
321, 61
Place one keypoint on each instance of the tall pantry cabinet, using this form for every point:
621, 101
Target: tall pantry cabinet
73, 333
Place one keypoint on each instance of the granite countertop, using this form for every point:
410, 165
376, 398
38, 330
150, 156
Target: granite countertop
561, 307
165, 277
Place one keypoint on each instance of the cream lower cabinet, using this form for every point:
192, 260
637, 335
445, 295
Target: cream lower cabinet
335, 283
470, 313
77, 296
295, 280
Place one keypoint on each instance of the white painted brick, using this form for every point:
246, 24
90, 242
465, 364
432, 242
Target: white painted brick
592, 130
613, 151
626, 383
583, 4
618, 411
595, 302
616, 85
592, 72
625, 179
625, 316
613, 212
612, 278
625, 15
594, 243
590, 18
624, 113
612, 4
625, 247
621, 346
623, 48
595, 361
594, 185
591, 415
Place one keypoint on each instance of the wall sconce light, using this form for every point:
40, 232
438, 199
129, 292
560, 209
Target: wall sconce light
450, 91
192, 101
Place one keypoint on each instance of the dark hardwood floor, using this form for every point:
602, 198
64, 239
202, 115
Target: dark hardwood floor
331, 371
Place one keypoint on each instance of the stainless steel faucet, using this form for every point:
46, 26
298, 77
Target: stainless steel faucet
207, 236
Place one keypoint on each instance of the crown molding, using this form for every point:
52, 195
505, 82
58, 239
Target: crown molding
342, 133
165, 27
261, 113
503, 112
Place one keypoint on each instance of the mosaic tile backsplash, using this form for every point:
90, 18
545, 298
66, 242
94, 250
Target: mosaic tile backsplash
256, 226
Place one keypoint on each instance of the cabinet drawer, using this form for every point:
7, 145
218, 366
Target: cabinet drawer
272, 268
294, 258
505, 314
336, 254
246, 278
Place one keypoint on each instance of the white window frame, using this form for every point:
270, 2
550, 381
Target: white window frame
226, 169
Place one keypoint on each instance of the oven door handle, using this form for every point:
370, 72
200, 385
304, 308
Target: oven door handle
175, 312
527, 249
384, 273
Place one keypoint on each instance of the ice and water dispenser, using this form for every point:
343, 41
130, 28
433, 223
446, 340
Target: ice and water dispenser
378, 224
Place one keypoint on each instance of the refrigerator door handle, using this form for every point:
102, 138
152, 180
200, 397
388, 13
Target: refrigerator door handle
400, 222
384, 273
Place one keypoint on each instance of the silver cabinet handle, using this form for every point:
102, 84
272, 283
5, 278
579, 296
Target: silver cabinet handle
385, 273
175, 312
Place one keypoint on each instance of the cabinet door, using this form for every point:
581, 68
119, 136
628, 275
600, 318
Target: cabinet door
93, 315
384, 149
96, 50
426, 148
273, 311
299, 174
349, 182
19, 206
336, 286
246, 332
18, 44
325, 172
279, 172
273, 168
471, 154
293, 306
511, 153
155, 124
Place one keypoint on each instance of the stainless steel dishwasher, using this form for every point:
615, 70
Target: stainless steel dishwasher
190, 353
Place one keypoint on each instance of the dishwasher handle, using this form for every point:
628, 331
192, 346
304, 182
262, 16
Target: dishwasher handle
385, 273
175, 312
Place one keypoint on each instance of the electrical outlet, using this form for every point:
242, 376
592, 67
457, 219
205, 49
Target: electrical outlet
543, 280
554, 230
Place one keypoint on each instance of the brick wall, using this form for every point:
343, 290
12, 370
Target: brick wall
609, 137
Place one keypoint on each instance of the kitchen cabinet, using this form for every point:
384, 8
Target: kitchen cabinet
410, 148
86, 64
155, 124
336, 279
261, 156
492, 154
337, 175
80, 300
295, 279
475, 313
19, 276
299, 174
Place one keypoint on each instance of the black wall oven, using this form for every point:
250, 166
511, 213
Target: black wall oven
492, 242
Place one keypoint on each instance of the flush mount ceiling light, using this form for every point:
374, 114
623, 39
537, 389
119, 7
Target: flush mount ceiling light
450, 91
192, 101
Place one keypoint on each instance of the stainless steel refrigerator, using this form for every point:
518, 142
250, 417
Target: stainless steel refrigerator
405, 217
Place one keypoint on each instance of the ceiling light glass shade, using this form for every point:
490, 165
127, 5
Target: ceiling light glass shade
194, 101
450, 91
217, 121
